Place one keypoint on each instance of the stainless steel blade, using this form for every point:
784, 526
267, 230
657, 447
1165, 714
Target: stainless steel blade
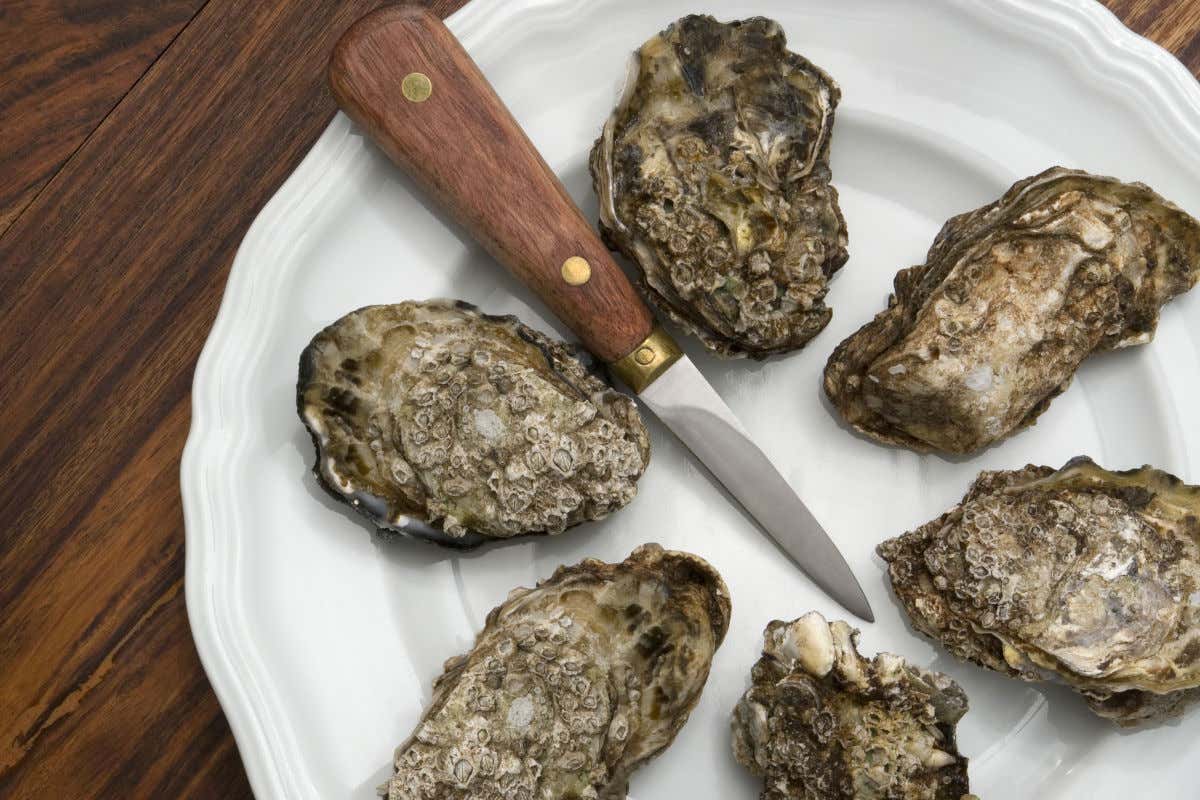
688, 404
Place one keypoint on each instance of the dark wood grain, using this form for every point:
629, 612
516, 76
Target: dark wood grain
63, 66
468, 152
109, 281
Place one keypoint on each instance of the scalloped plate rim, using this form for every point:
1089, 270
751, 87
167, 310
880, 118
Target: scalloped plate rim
225, 647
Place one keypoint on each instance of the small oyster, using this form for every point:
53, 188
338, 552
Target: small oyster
820, 722
1082, 574
713, 176
571, 686
978, 340
444, 423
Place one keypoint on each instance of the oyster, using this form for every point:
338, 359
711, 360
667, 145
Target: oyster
713, 177
444, 423
978, 340
570, 686
1082, 574
820, 722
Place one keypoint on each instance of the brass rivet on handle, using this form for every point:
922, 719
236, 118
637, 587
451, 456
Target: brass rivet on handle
576, 271
417, 87
643, 356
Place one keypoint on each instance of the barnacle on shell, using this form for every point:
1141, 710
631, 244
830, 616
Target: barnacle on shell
820, 722
1081, 575
571, 686
713, 177
444, 423
978, 340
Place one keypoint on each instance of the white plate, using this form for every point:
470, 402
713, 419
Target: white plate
322, 642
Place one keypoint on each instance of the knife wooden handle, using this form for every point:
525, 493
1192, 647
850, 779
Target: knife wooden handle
403, 77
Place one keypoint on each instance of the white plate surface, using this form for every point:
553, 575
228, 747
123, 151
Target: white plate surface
322, 642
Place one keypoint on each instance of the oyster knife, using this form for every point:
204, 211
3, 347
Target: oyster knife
403, 77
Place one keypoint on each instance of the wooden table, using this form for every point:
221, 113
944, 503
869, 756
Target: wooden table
138, 140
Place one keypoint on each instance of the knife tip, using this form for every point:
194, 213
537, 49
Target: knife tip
858, 606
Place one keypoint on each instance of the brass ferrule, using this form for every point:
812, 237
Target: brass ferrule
642, 365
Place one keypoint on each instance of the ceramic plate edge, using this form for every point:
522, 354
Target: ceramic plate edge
1098, 39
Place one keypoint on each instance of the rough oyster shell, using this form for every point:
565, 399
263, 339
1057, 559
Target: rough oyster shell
570, 686
1082, 574
444, 423
820, 722
978, 340
713, 177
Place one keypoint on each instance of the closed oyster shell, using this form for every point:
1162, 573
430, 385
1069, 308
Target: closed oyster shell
444, 423
570, 686
978, 340
820, 722
713, 177
1083, 575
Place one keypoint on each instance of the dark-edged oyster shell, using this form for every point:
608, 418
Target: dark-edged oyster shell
978, 340
445, 423
820, 722
570, 686
713, 177
1080, 574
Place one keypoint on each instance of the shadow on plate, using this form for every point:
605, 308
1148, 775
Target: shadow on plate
369, 789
